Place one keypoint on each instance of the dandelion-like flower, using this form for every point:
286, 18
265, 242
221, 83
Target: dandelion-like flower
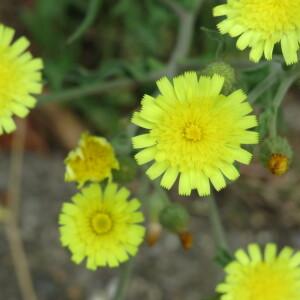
262, 276
102, 226
20, 78
195, 132
262, 24
93, 160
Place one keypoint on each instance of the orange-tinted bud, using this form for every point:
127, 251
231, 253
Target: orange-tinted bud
186, 239
278, 164
153, 233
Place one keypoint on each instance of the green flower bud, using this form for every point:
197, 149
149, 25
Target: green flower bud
225, 70
175, 218
276, 154
157, 202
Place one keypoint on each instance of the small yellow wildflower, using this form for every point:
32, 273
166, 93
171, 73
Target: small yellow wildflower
102, 226
257, 276
262, 24
194, 132
20, 77
93, 160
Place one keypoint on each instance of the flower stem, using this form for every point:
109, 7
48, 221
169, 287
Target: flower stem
266, 84
283, 88
12, 229
124, 280
216, 223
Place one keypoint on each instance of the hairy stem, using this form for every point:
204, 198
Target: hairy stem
99, 87
185, 38
266, 84
124, 279
216, 224
283, 88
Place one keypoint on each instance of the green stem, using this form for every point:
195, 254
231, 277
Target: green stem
182, 47
267, 83
98, 87
124, 280
216, 223
280, 95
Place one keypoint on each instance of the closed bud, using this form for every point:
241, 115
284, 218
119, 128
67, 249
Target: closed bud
157, 202
276, 154
153, 233
186, 239
278, 164
175, 218
225, 70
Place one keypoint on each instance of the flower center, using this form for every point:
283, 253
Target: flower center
269, 282
270, 15
192, 133
101, 223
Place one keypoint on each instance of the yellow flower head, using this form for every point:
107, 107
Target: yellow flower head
267, 276
93, 160
194, 131
20, 77
260, 24
102, 226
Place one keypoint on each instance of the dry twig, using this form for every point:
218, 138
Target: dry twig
12, 227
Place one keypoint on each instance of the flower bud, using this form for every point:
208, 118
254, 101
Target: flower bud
175, 218
278, 164
186, 239
276, 155
157, 202
225, 70
153, 233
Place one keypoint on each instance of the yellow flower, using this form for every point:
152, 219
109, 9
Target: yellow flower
93, 160
194, 131
262, 24
102, 226
20, 77
257, 276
